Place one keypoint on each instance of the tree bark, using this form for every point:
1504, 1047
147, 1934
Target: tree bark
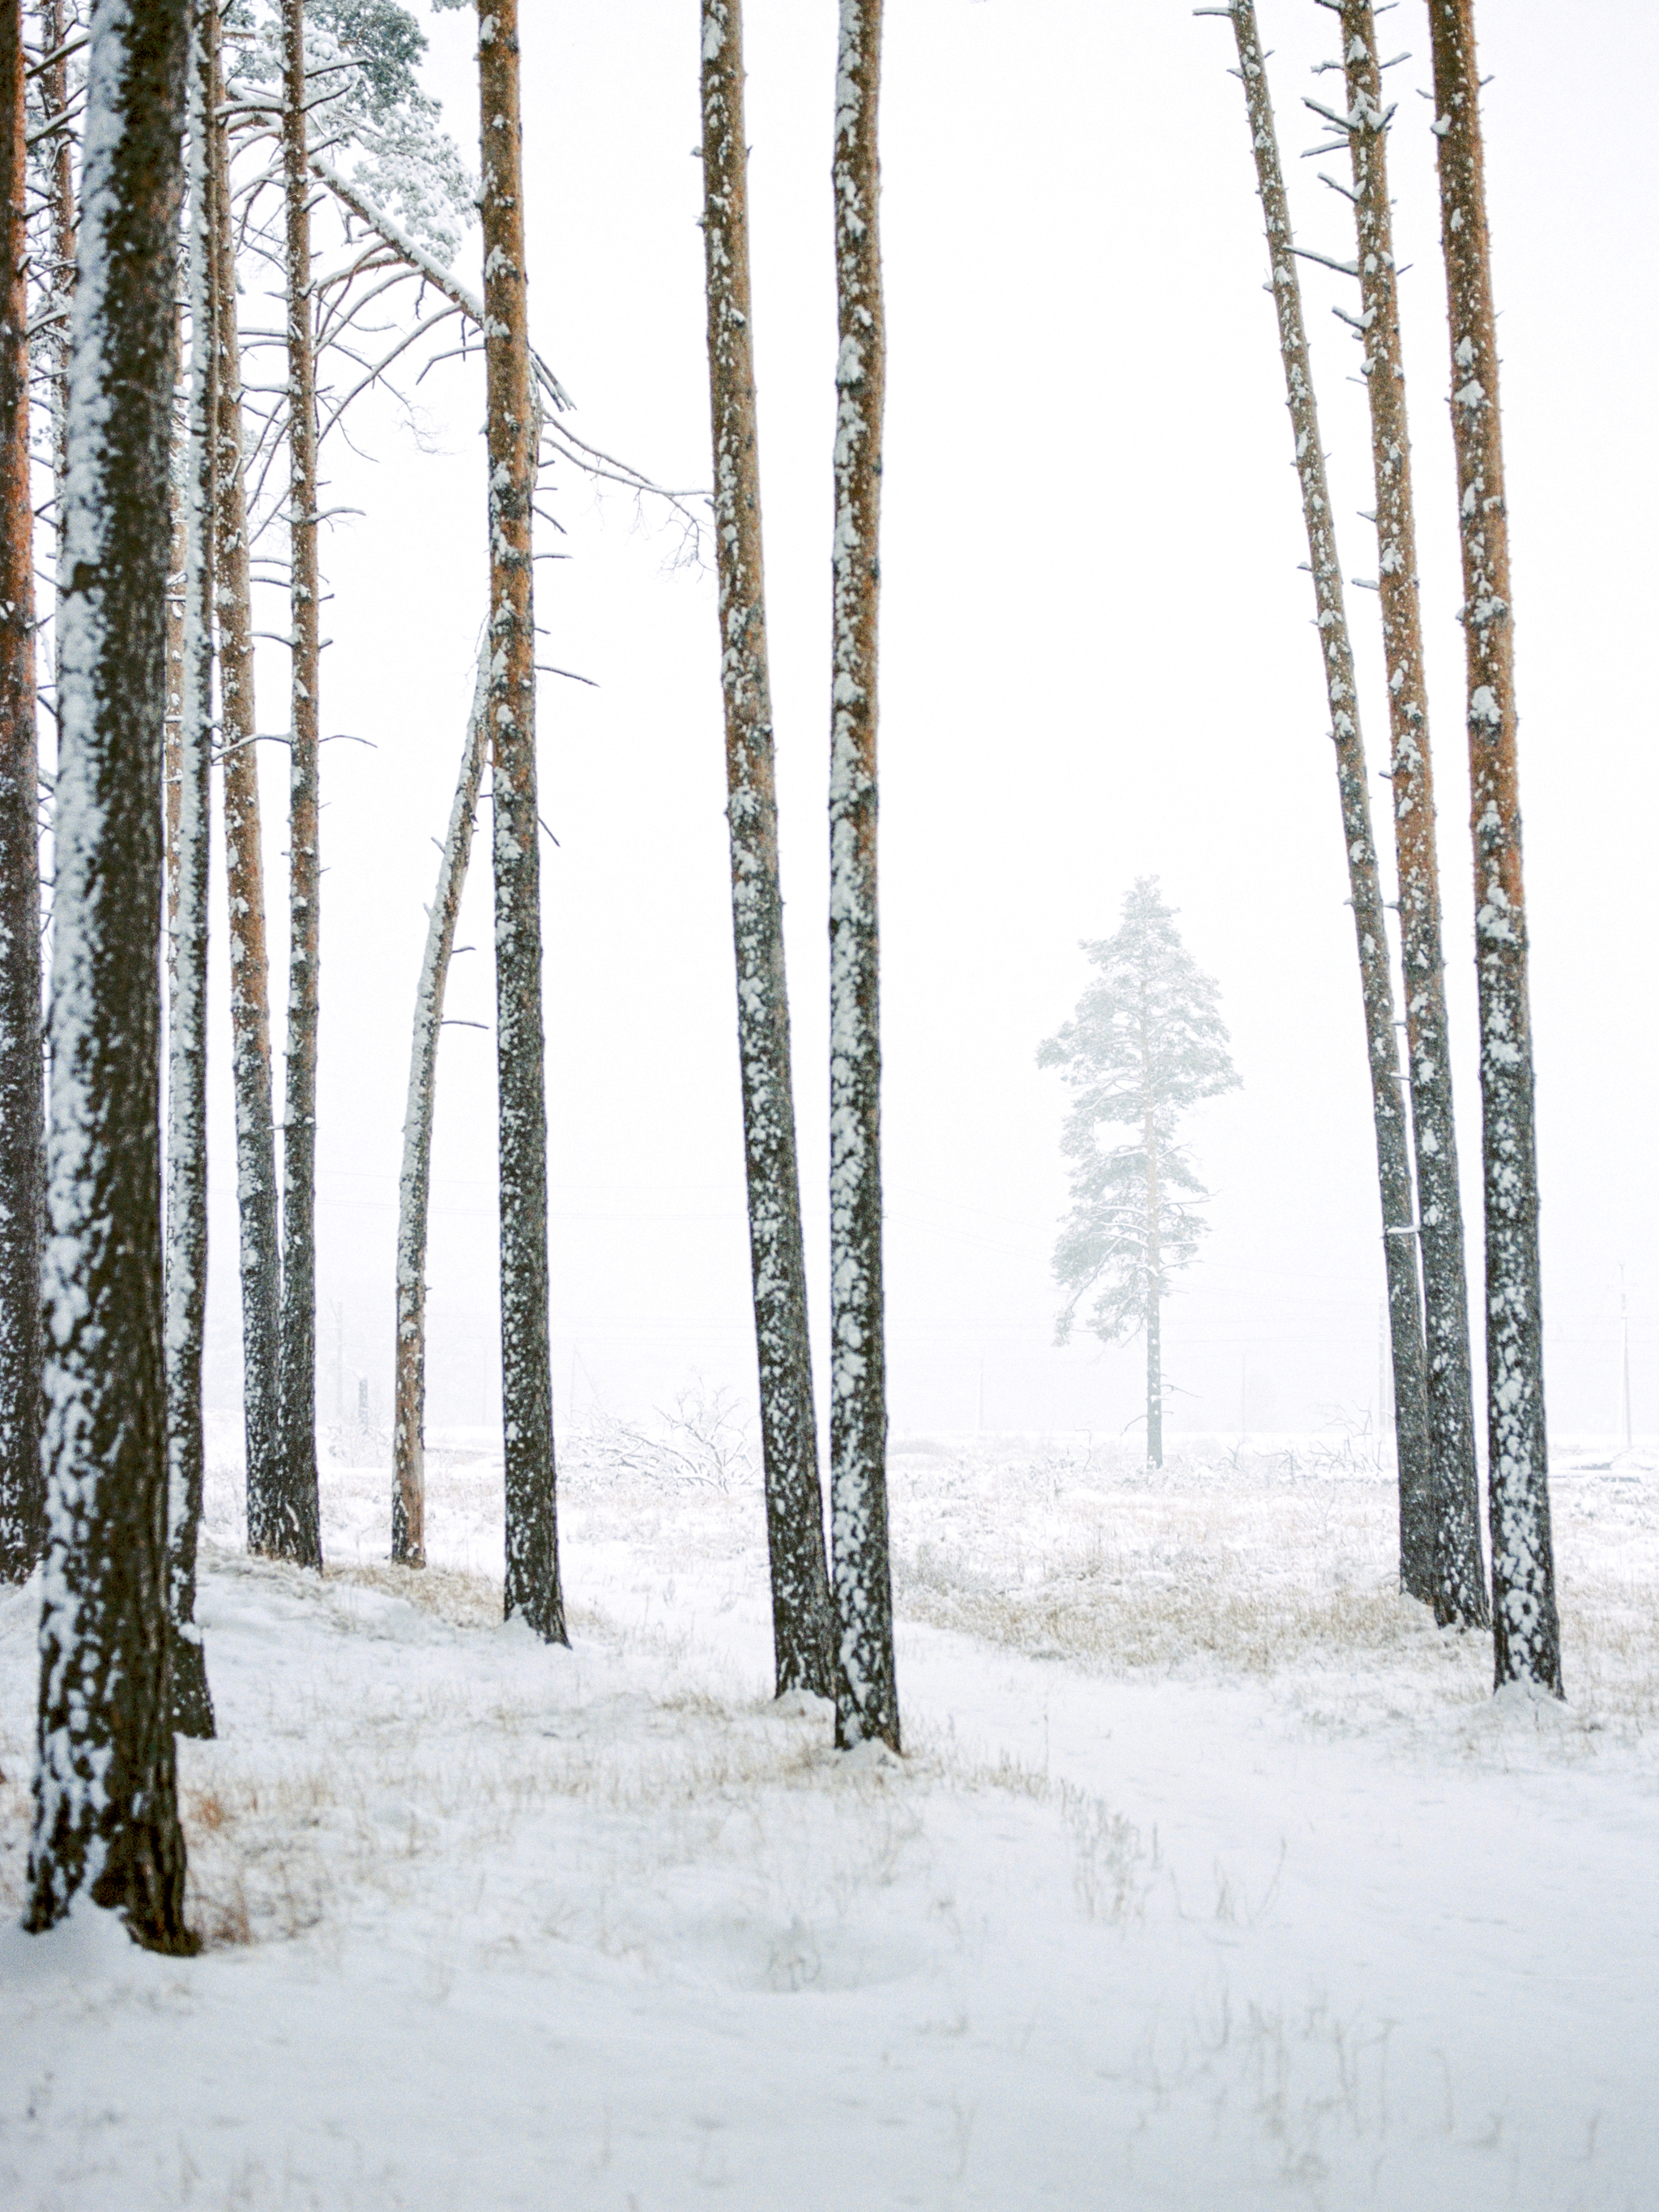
1458, 1579
1526, 1633
532, 1544
54, 87
105, 1814
1364, 883
299, 1533
188, 777
250, 981
22, 1153
414, 1184
802, 1628
866, 1689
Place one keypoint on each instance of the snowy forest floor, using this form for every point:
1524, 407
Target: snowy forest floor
1213, 1876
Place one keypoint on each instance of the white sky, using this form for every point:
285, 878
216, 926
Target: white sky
1097, 660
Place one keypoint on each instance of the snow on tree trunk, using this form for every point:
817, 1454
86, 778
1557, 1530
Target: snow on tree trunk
189, 764
298, 1533
1527, 1631
532, 1544
802, 1630
105, 1812
1457, 1577
23, 1154
250, 980
867, 1688
1364, 883
414, 1184
1154, 1284
54, 88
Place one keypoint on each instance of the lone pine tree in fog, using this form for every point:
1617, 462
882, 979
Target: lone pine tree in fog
1145, 1044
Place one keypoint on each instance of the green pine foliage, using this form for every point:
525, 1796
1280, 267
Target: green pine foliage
1145, 1045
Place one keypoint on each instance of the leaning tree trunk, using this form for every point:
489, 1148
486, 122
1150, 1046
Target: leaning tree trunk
298, 1535
1365, 884
802, 1628
21, 1132
106, 1812
414, 1184
1458, 1581
1527, 1631
533, 1542
245, 879
867, 1687
189, 778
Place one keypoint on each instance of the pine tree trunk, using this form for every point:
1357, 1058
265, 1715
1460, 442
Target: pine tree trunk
1526, 1628
1365, 884
867, 1688
54, 88
250, 980
1154, 1287
23, 1154
106, 1814
1458, 1590
414, 1184
802, 1629
299, 1533
190, 755
533, 1543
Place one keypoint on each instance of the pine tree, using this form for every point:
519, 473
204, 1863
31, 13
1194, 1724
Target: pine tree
802, 1634
298, 1533
1527, 1630
513, 435
21, 1104
1364, 880
189, 784
867, 1687
260, 1259
106, 1812
1457, 1582
1145, 1045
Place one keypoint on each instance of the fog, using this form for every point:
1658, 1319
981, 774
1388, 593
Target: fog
1098, 662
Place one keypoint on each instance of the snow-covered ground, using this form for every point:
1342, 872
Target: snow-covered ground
1212, 1877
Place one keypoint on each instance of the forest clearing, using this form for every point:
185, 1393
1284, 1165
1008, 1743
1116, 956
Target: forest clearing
1212, 1870
826, 1355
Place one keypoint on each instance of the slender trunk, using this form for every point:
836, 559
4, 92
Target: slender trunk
1365, 884
21, 1115
533, 1542
414, 1184
802, 1630
189, 744
245, 877
105, 1812
867, 1687
55, 97
1154, 1289
1527, 1631
1457, 1578
298, 1534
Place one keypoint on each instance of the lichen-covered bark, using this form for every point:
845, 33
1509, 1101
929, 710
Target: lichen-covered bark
1364, 883
867, 1688
1456, 1571
245, 880
190, 741
414, 1184
1527, 1634
105, 1814
802, 1629
298, 1533
533, 1547
21, 1119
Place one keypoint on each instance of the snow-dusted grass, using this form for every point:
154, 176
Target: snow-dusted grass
1213, 1876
